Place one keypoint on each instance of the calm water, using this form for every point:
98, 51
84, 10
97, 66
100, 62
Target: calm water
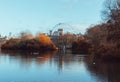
55, 67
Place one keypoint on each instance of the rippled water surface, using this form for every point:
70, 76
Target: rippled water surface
55, 67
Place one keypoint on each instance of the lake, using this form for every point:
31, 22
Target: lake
55, 67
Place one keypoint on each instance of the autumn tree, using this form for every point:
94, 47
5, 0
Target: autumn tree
67, 39
111, 13
94, 34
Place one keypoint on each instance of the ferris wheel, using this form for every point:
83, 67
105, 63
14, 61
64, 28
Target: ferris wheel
67, 28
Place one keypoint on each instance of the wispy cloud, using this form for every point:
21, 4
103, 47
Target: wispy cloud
75, 28
78, 28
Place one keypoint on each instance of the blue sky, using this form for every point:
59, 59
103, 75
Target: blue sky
42, 15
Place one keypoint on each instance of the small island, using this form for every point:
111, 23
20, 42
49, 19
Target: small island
27, 42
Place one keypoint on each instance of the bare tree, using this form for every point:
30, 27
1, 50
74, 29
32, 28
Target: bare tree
111, 12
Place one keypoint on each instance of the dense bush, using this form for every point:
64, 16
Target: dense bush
81, 46
105, 37
41, 42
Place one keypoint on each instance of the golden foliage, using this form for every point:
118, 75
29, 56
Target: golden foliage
44, 39
28, 42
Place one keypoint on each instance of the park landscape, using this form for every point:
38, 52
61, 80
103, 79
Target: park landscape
65, 56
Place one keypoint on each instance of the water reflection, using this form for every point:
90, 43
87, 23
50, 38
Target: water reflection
65, 60
25, 59
55, 67
103, 71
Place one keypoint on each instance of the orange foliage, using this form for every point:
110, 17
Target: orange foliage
41, 42
44, 39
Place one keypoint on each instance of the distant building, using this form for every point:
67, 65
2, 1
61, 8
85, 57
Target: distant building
58, 32
60, 39
2, 40
50, 32
55, 33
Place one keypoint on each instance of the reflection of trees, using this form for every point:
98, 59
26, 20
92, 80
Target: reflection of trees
63, 60
26, 59
66, 60
46, 56
101, 71
104, 71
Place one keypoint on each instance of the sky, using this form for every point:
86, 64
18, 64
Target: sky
42, 15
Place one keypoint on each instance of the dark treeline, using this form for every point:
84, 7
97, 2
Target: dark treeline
26, 41
81, 45
105, 38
